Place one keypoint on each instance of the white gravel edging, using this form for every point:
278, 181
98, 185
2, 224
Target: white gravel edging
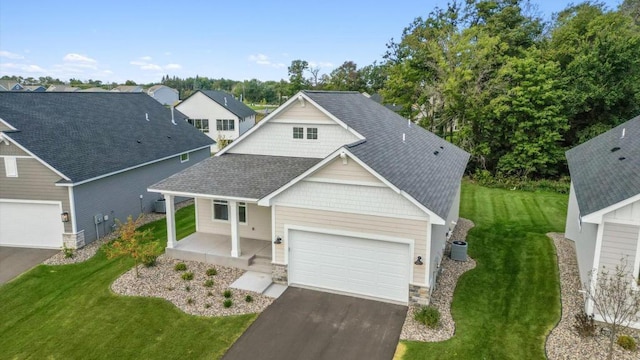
442, 296
164, 282
87, 252
564, 342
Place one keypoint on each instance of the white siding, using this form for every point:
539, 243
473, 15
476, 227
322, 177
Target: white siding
439, 238
346, 170
363, 224
258, 221
247, 123
627, 214
619, 241
200, 106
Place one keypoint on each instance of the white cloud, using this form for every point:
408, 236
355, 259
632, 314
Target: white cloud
24, 68
146, 58
262, 59
144, 64
321, 64
151, 67
79, 59
10, 55
173, 67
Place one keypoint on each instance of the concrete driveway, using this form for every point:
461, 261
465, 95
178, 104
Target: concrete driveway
14, 261
312, 325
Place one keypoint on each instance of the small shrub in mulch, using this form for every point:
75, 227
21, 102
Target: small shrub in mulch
180, 267
428, 315
227, 293
584, 325
212, 272
627, 342
187, 276
227, 303
248, 298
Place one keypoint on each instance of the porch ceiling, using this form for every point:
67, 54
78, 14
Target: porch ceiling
236, 175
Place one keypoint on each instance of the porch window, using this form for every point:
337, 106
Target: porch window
242, 213
298, 133
220, 210
312, 133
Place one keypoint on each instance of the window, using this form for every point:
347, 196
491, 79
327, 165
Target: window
225, 124
312, 133
200, 124
184, 157
220, 210
298, 133
10, 166
242, 213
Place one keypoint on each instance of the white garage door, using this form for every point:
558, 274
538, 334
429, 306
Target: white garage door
30, 225
369, 268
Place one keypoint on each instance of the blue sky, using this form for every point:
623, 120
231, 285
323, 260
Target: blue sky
142, 40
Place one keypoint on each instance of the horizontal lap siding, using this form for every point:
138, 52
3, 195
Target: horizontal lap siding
11, 150
351, 171
619, 241
34, 182
379, 225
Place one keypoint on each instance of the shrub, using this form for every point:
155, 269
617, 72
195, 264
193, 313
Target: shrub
248, 298
585, 325
187, 276
68, 252
627, 342
187, 288
190, 301
209, 293
170, 288
212, 271
208, 283
206, 306
227, 293
227, 303
148, 260
428, 315
180, 267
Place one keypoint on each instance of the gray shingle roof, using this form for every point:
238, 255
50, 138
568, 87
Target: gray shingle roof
85, 135
600, 179
237, 175
411, 165
231, 104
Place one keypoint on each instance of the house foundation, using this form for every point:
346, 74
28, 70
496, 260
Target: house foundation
419, 294
280, 274
73, 241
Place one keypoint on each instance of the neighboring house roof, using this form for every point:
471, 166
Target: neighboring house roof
600, 178
253, 176
227, 101
155, 88
10, 85
87, 135
62, 88
34, 88
411, 165
94, 89
127, 88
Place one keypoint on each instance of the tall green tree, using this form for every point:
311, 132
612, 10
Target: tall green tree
346, 77
297, 80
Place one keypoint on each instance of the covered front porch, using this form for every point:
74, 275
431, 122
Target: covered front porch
216, 249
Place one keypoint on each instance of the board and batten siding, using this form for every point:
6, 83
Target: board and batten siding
357, 223
619, 241
35, 182
275, 137
258, 221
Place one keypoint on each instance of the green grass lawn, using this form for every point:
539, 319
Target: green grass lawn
69, 312
506, 306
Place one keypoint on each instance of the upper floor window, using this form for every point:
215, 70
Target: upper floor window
200, 124
312, 133
298, 133
225, 124
10, 166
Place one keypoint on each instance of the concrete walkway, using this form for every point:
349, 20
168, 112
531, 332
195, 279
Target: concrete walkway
313, 325
14, 261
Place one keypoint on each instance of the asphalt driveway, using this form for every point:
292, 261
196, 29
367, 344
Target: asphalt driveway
14, 261
313, 325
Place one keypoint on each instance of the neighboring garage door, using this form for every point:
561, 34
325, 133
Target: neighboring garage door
29, 224
369, 268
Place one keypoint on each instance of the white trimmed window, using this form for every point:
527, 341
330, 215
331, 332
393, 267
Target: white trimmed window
242, 213
312, 133
221, 210
225, 124
10, 166
200, 124
298, 133
184, 157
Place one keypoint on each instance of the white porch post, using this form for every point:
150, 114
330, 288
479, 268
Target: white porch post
235, 237
171, 221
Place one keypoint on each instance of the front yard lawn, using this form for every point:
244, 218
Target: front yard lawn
69, 312
506, 306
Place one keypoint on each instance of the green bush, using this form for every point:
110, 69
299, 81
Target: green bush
485, 178
187, 288
68, 252
428, 315
149, 260
209, 293
212, 271
227, 293
227, 303
190, 301
180, 267
187, 276
208, 283
206, 306
627, 342
248, 298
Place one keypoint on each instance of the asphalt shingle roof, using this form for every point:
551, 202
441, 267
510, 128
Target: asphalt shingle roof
600, 179
411, 165
85, 135
231, 104
237, 175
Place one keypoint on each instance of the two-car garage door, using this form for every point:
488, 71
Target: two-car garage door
360, 266
30, 224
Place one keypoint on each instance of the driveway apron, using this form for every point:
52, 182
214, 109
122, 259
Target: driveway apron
14, 261
310, 325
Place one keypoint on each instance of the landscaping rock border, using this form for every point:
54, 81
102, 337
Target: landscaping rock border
564, 342
87, 252
163, 281
443, 294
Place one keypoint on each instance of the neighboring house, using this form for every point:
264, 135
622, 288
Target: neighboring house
62, 88
163, 94
603, 217
34, 88
218, 114
72, 163
94, 89
335, 191
128, 88
10, 85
